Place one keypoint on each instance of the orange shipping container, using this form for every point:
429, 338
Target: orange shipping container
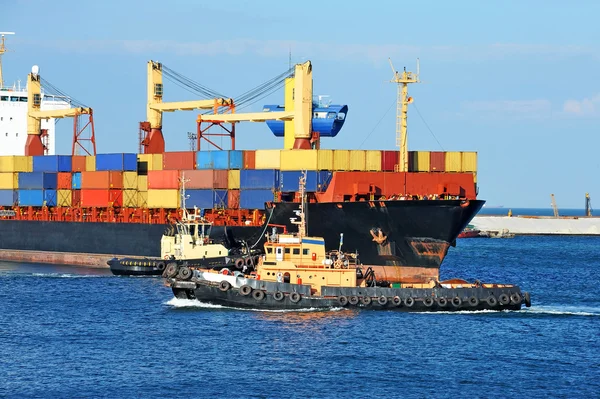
163, 179
101, 180
437, 161
179, 160
249, 159
233, 199
78, 163
207, 178
101, 198
63, 181
76, 198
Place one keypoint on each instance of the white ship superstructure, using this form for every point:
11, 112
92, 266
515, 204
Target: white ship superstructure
13, 116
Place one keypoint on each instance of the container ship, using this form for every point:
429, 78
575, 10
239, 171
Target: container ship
396, 207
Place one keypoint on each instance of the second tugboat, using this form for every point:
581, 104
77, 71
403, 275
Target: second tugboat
296, 272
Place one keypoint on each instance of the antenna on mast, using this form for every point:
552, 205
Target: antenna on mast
2, 51
403, 80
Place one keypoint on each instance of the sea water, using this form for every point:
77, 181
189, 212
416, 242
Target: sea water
75, 332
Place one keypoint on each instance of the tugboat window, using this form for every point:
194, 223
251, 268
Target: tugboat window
192, 230
286, 278
269, 250
287, 250
305, 251
296, 251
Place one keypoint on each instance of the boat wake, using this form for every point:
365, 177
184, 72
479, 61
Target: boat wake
192, 303
565, 311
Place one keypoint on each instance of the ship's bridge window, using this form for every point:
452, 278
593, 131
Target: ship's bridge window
331, 115
320, 115
192, 230
14, 99
304, 251
341, 116
296, 251
23, 99
3, 98
269, 250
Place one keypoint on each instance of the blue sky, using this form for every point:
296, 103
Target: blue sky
517, 81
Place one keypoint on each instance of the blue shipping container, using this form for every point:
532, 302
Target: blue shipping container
324, 180
8, 197
203, 160
31, 197
52, 163
255, 199
212, 160
117, 162
50, 197
206, 199
259, 179
290, 180
236, 159
220, 199
76, 181
37, 180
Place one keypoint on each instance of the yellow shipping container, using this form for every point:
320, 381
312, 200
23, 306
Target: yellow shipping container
142, 183
325, 160
267, 159
153, 161
469, 162
453, 161
90, 163
233, 179
299, 160
130, 181
163, 199
130, 198
373, 160
142, 199
9, 181
419, 161
16, 163
341, 160
357, 160
64, 197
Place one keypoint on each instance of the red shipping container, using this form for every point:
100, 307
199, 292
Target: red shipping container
249, 159
206, 178
179, 160
101, 198
344, 184
164, 179
78, 163
63, 181
76, 198
233, 199
389, 160
437, 161
101, 180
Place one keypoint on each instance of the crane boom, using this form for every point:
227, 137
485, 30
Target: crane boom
190, 105
61, 113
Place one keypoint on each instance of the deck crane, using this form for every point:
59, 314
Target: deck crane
403, 80
554, 207
588, 205
34, 145
297, 113
151, 137
2, 51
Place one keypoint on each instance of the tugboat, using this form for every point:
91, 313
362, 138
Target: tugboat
188, 243
296, 272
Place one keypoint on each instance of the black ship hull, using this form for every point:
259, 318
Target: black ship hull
281, 296
388, 233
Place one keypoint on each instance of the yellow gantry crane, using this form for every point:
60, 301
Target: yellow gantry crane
2, 51
34, 145
403, 80
297, 115
154, 142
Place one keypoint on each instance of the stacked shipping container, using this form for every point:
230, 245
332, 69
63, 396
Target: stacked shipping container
214, 179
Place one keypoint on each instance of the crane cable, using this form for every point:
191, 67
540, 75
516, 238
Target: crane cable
53, 90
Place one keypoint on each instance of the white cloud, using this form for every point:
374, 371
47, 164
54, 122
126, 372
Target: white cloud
585, 107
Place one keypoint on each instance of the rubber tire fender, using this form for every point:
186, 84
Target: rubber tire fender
342, 300
249, 261
258, 295
161, 266
504, 299
295, 297
456, 302
515, 298
409, 302
239, 263
382, 300
428, 301
397, 301
353, 300
278, 295
527, 299
172, 270
492, 301
474, 301
185, 273
224, 286
442, 302
245, 290
366, 300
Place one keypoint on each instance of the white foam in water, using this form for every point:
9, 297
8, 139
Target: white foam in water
192, 303
565, 310
65, 275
